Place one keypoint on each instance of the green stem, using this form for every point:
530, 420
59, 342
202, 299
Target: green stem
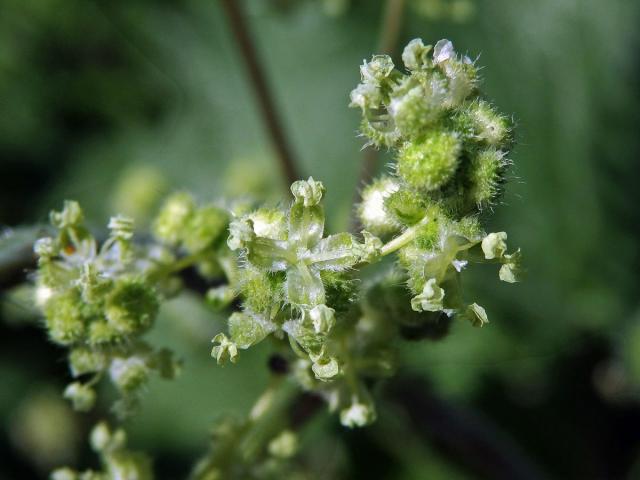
401, 240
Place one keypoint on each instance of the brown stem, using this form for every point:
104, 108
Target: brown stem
389, 33
257, 78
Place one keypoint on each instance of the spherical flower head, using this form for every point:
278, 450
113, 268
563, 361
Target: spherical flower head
308, 192
372, 213
132, 306
431, 163
173, 217
129, 374
358, 415
205, 227
64, 319
375, 71
322, 318
494, 245
414, 55
431, 298
82, 396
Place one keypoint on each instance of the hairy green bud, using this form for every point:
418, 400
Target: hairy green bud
131, 307
484, 124
64, 318
486, 173
84, 360
173, 218
308, 192
407, 206
431, 163
205, 228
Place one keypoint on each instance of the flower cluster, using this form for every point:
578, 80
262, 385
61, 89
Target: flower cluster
450, 149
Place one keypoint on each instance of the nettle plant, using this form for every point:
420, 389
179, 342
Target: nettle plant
333, 321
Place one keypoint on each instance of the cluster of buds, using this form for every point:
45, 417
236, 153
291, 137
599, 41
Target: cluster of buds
450, 148
98, 302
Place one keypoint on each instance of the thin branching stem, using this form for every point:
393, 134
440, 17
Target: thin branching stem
260, 86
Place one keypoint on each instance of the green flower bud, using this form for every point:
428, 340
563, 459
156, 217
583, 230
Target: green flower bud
486, 174
204, 228
102, 332
415, 54
431, 298
431, 163
485, 124
260, 290
84, 360
380, 133
358, 415
64, 319
407, 207
372, 213
129, 374
285, 445
323, 318
82, 396
477, 315
494, 245
417, 103
71, 216
375, 71
240, 233
174, 215
226, 350
131, 307
309, 192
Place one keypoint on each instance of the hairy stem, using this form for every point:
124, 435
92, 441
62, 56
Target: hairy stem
257, 78
403, 239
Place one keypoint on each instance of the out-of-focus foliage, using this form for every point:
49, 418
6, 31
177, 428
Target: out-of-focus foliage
91, 88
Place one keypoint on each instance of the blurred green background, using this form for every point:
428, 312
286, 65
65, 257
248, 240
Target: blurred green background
100, 97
